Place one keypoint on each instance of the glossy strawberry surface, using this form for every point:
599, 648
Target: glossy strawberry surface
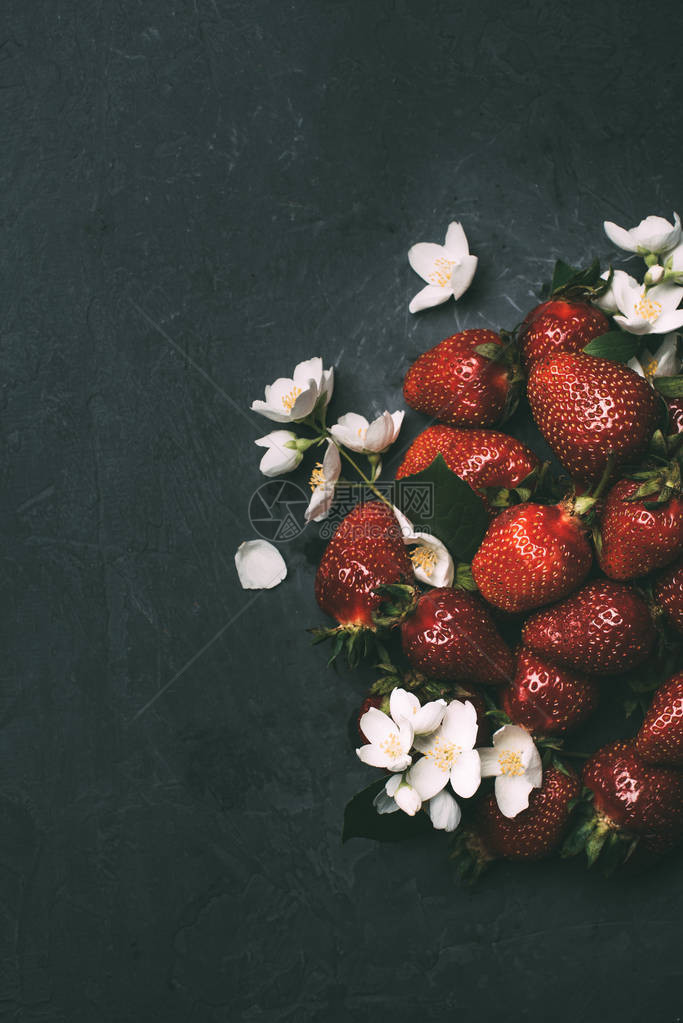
451, 636
660, 738
559, 326
531, 554
668, 594
637, 539
603, 629
587, 408
535, 832
366, 551
482, 458
645, 799
453, 383
546, 699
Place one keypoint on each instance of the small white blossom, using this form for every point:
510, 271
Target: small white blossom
432, 564
449, 754
389, 743
665, 362
448, 269
642, 310
652, 235
424, 719
357, 434
279, 458
291, 399
515, 763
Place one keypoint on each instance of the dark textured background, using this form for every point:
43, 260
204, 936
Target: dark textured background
196, 195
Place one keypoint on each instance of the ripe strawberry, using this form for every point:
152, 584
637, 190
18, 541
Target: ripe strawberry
660, 739
366, 551
455, 384
637, 539
587, 408
545, 699
535, 832
532, 554
605, 628
482, 458
452, 636
668, 593
559, 326
632, 800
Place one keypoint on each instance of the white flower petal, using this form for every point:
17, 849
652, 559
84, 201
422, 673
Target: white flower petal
408, 799
427, 778
620, 237
305, 402
443, 811
512, 794
373, 756
350, 430
466, 774
462, 275
667, 295
490, 762
428, 718
392, 784
405, 525
377, 726
264, 409
460, 724
634, 325
278, 459
432, 563
534, 770
666, 357
456, 241
260, 566
403, 704
668, 322
513, 738
310, 370
655, 234
382, 433
430, 296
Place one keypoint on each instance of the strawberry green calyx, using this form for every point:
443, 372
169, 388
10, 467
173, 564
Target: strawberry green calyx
604, 842
399, 600
355, 643
470, 856
584, 284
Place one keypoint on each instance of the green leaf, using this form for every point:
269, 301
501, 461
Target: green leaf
566, 277
457, 516
490, 350
669, 387
361, 819
615, 346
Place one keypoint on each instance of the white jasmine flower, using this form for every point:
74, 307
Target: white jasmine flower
607, 301
397, 794
643, 310
449, 755
664, 363
389, 743
357, 434
278, 459
515, 763
406, 706
654, 234
292, 399
448, 269
432, 564
323, 482
443, 811
260, 566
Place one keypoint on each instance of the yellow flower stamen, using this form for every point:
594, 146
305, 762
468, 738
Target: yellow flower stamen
441, 274
648, 309
288, 400
511, 763
650, 367
444, 754
424, 558
391, 745
317, 477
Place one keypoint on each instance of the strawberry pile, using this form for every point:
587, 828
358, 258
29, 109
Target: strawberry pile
565, 594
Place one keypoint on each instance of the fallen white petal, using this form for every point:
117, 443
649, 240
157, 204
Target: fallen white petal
260, 566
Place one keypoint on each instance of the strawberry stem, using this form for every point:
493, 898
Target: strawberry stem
604, 479
365, 478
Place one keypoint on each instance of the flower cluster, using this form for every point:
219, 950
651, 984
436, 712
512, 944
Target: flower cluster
430, 752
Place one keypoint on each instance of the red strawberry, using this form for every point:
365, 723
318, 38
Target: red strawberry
668, 592
559, 326
545, 699
587, 408
452, 636
632, 799
482, 458
605, 628
455, 384
535, 832
660, 739
531, 555
366, 551
637, 539
675, 406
